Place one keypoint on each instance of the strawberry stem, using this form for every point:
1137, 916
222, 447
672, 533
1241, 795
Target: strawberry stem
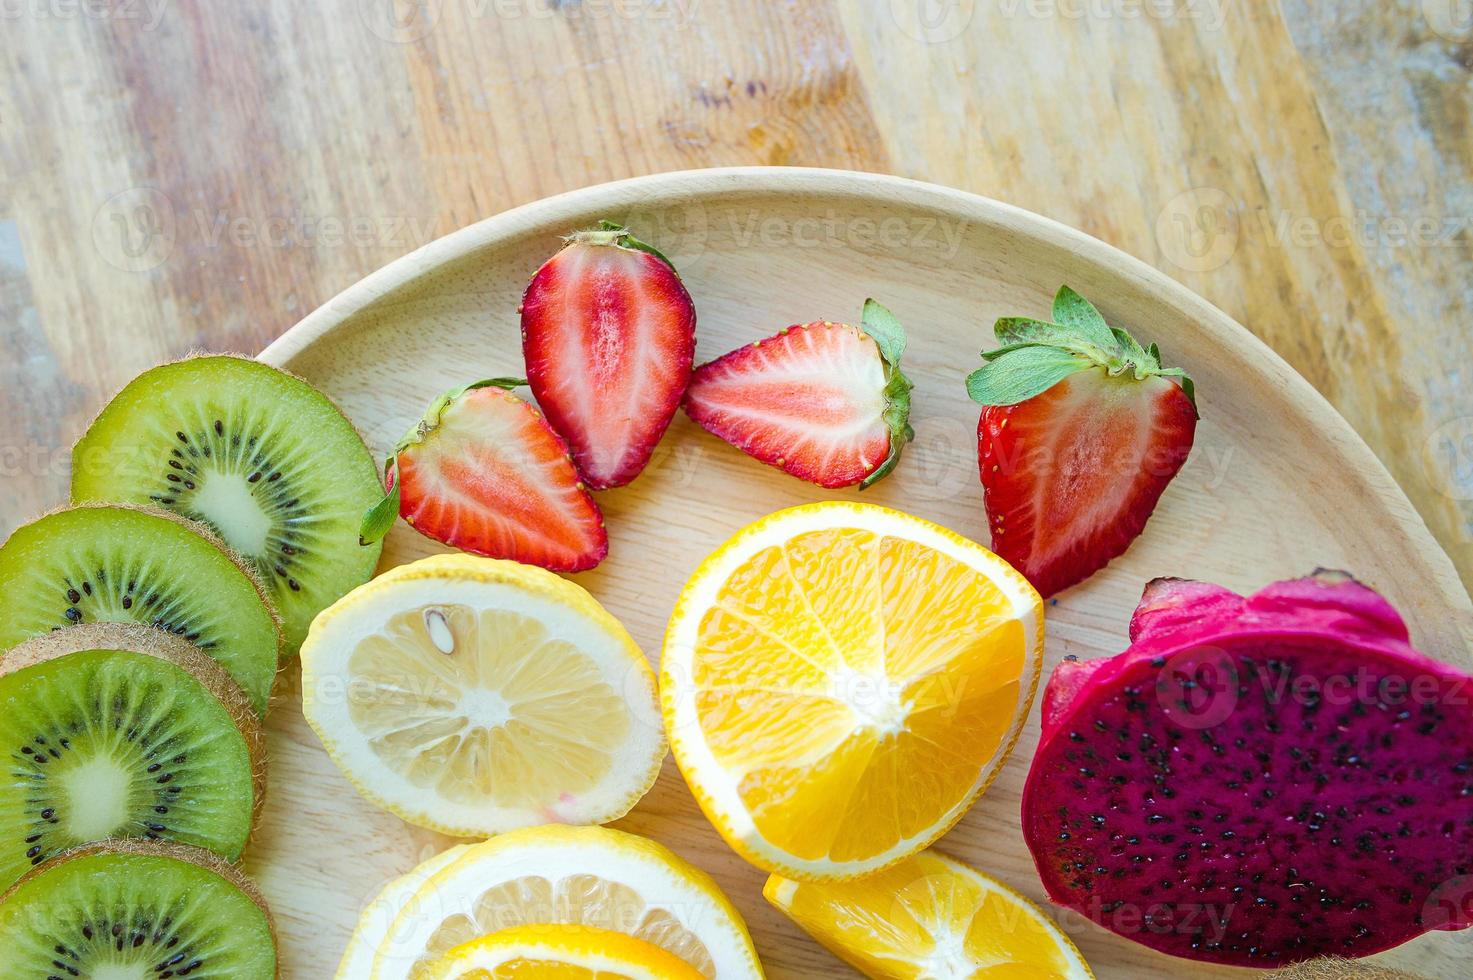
612, 234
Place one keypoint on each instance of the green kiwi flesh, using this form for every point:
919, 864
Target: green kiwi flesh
257, 454
137, 911
123, 732
123, 564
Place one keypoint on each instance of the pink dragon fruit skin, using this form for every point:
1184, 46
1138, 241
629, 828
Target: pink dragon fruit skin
1216, 792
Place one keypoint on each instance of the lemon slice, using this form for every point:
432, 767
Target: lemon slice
473, 696
841, 681
930, 916
592, 876
560, 953
378, 915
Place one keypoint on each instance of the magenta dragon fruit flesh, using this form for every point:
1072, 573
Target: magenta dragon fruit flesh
1258, 780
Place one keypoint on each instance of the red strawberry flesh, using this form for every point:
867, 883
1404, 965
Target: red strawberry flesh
1072, 475
608, 332
817, 400
493, 479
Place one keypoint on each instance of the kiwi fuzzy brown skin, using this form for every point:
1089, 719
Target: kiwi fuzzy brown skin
186, 853
290, 639
1331, 968
171, 649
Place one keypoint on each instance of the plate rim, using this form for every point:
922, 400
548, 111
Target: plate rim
889, 190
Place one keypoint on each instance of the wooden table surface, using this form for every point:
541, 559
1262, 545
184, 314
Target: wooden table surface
177, 178
177, 175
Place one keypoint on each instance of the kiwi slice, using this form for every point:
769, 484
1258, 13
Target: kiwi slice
137, 910
124, 564
123, 732
257, 454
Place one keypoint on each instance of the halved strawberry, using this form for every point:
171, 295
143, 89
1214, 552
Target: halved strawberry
824, 401
609, 334
485, 473
1081, 431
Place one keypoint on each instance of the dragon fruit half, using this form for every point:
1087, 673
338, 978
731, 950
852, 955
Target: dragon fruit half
1260, 780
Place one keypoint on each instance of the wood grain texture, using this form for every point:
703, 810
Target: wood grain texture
1322, 200
176, 176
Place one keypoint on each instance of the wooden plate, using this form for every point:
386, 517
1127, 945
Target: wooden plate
1277, 484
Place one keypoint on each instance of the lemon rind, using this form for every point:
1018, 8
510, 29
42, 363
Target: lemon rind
611, 854
378, 915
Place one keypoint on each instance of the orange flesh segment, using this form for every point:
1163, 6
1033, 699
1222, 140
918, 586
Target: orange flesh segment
929, 908
855, 685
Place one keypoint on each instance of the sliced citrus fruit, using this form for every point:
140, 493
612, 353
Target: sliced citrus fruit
930, 916
592, 876
841, 681
378, 915
473, 696
559, 952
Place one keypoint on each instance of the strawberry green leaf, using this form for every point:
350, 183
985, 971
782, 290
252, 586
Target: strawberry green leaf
1133, 351
995, 353
510, 384
887, 332
897, 417
1036, 355
1022, 374
1014, 331
381, 516
1080, 317
889, 336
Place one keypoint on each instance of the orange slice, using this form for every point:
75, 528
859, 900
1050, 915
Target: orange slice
842, 681
931, 916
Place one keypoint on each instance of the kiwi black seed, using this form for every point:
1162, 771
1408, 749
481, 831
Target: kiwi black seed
142, 909
256, 453
124, 564
122, 731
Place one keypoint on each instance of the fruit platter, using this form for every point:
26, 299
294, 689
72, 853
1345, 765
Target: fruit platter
641, 583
